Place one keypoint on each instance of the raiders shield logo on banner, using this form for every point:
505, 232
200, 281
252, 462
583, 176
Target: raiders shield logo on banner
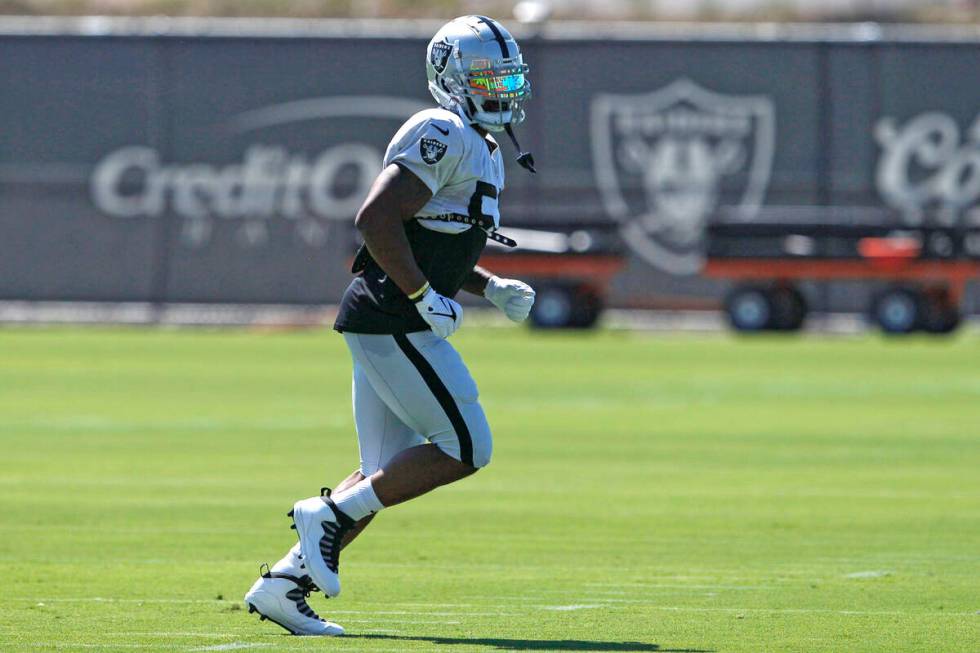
665, 161
432, 150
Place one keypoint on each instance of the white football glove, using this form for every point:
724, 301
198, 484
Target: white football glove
515, 298
444, 315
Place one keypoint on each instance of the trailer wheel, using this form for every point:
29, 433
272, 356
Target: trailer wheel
552, 307
898, 310
940, 314
587, 307
566, 306
946, 321
789, 308
749, 308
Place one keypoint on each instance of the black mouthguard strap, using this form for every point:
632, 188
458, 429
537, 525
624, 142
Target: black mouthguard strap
525, 159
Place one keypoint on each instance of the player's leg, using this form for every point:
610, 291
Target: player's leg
423, 379
425, 385
355, 477
415, 471
323, 527
381, 434
280, 594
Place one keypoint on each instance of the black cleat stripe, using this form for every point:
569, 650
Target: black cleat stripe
442, 395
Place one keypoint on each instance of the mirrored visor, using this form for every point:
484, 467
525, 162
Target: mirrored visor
498, 84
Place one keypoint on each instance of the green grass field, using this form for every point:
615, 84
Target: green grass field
648, 493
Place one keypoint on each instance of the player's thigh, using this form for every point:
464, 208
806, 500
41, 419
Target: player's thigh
467, 435
424, 380
380, 432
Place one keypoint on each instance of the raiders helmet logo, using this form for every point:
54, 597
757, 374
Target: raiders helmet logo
432, 150
439, 55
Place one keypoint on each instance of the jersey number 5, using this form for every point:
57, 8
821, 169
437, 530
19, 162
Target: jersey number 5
484, 198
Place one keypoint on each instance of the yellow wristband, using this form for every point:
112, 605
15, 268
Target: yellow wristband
418, 293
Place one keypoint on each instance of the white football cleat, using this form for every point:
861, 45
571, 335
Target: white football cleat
281, 599
321, 527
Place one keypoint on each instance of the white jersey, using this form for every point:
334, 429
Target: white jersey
464, 171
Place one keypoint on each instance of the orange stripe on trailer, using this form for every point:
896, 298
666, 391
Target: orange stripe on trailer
754, 268
599, 269
953, 273
889, 247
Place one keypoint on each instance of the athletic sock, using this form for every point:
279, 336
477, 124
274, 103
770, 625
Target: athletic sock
291, 563
358, 501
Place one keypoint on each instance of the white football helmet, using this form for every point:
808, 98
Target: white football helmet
475, 64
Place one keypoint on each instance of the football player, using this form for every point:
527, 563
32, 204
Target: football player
425, 223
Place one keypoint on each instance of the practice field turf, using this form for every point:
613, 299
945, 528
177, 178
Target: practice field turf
648, 493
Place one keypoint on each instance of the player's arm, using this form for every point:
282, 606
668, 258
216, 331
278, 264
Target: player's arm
396, 197
476, 283
515, 298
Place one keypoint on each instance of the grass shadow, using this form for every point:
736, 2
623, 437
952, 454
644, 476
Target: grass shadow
533, 644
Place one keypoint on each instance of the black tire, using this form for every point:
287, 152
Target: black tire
898, 310
566, 307
948, 322
552, 308
749, 309
940, 315
789, 308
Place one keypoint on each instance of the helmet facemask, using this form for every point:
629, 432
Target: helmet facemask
491, 92
497, 93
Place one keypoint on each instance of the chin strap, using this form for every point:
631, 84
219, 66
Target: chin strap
525, 159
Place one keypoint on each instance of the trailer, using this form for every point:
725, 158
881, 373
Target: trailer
571, 267
921, 272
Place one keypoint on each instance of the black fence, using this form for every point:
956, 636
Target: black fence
226, 167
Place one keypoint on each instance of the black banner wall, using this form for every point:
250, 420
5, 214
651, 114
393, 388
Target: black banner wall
228, 169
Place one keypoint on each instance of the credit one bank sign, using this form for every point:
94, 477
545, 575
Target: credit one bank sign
269, 182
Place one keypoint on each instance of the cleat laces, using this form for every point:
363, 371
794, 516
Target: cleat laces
298, 595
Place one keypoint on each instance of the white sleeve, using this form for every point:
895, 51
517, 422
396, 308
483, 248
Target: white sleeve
432, 151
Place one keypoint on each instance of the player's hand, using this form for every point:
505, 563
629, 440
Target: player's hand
515, 298
444, 315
